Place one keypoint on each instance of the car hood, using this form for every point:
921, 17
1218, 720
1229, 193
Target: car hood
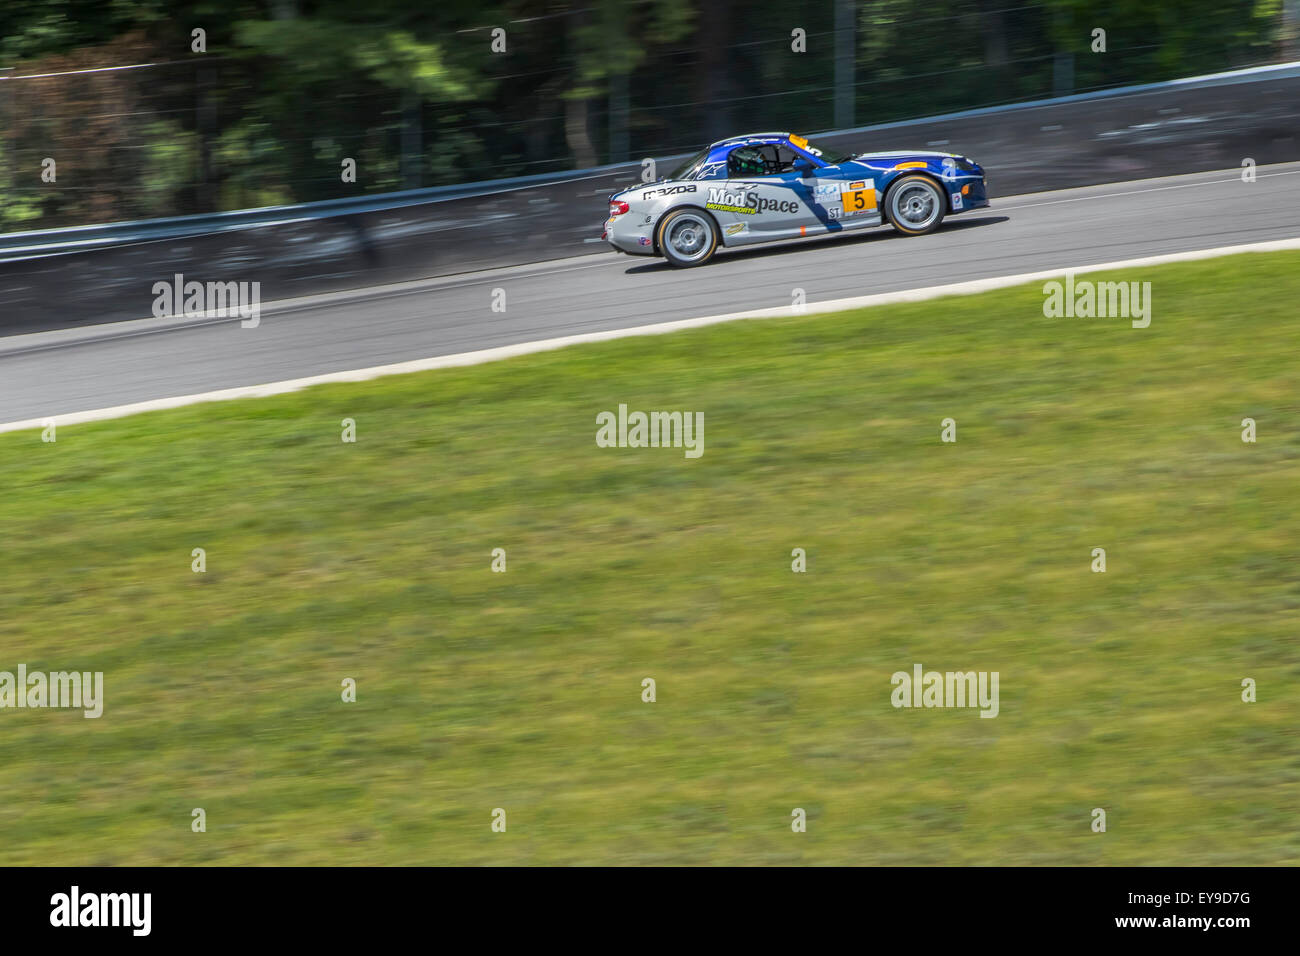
896, 154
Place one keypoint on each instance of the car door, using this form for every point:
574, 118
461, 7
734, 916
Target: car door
761, 200
734, 204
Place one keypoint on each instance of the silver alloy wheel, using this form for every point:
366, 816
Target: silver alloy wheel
916, 205
691, 237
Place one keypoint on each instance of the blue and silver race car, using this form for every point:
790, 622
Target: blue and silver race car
767, 186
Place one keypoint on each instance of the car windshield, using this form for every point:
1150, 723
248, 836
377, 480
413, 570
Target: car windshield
684, 170
827, 154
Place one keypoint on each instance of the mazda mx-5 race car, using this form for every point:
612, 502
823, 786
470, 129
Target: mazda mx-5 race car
767, 186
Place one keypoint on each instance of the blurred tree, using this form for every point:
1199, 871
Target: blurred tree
1147, 42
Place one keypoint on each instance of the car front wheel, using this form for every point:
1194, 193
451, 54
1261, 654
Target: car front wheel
915, 205
688, 237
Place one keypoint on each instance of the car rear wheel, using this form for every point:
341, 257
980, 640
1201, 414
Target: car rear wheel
688, 237
915, 205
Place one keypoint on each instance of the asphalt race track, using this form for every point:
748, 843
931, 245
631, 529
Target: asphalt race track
54, 373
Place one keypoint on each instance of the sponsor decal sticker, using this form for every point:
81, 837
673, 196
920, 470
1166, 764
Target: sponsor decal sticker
643, 240
956, 200
860, 199
667, 191
737, 229
911, 165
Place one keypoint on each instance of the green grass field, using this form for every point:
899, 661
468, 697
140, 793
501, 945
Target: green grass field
522, 690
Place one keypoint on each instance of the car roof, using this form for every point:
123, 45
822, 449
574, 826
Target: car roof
749, 137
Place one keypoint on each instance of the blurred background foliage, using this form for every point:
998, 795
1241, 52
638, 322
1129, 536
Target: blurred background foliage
140, 125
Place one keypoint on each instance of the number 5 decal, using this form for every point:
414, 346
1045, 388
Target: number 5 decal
859, 200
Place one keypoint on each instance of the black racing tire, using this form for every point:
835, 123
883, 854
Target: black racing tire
687, 237
915, 204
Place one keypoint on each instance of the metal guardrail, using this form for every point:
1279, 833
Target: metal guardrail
91, 274
85, 238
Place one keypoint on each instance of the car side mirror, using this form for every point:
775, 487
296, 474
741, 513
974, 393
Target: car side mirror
803, 167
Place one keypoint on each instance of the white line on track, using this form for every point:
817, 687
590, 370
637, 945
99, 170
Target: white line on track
660, 328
